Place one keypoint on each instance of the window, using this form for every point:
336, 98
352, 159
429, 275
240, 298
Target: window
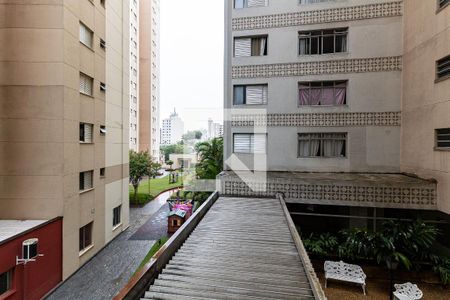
86, 35
250, 94
102, 172
250, 46
116, 215
314, 1
249, 143
322, 93
443, 68
86, 132
443, 138
322, 144
86, 83
5, 282
443, 3
249, 3
85, 237
86, 180
323, 41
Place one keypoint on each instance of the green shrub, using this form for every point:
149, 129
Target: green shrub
323, 244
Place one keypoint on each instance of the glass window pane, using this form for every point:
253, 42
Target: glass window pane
239, 95
238, 3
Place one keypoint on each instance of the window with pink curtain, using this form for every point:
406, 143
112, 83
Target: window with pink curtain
326, 93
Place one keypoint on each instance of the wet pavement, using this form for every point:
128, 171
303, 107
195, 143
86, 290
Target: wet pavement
108, 271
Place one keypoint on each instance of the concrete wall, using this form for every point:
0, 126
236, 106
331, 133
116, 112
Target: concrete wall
117, 116
41, 108
370, 148
149, 77
426, 103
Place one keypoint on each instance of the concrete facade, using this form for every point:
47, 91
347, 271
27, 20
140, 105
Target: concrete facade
172, 129
149, 74
41, 155
426, 101
388, 65
134, 75
370, 147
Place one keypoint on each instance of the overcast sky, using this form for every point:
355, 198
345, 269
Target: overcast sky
192, 60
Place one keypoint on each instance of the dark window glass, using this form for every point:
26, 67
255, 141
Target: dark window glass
323, 41
116, 215
443, 138
85, 236
443, 67
5, 282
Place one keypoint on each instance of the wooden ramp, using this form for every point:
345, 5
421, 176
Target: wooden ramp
242, 249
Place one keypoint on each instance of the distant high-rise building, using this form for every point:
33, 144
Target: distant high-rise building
64, 127
214, 129
148, 125
172, 129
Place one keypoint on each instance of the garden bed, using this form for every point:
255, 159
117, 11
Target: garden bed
378, 283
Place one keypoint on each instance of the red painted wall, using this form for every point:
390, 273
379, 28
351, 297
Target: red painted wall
35, 279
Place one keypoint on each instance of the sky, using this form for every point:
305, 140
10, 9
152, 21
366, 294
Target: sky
192, 38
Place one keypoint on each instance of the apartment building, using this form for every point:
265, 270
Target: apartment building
64, 119
134, 75
327, 95
425, 140
172, 129
149, 73
215, 130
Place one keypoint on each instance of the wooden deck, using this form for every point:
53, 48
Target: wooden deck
242, 249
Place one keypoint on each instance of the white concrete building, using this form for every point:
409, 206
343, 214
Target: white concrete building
314, 89
214, 129
134, 75
172, 129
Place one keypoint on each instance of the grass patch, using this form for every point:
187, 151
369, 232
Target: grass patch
152, 251
155, 186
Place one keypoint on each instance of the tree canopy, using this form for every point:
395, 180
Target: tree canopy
210, 158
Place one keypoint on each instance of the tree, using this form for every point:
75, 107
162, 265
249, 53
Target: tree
153, 168
211, 158
172, 149
192, 135
169, 163
139, 168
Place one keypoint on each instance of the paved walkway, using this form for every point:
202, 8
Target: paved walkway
107, 272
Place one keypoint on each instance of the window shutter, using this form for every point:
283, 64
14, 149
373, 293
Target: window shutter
88, 133
242, 143
87, 180
259, 143
82, 83
86, 83
242, 47
86, 35
255, 3
256, 94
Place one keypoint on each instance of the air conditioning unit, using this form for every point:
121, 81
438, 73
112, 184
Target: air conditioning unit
30, 249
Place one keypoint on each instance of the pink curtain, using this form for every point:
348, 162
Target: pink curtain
327, 96
304, 95
340, 93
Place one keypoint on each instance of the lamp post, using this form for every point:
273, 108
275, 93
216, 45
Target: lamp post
392, 266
